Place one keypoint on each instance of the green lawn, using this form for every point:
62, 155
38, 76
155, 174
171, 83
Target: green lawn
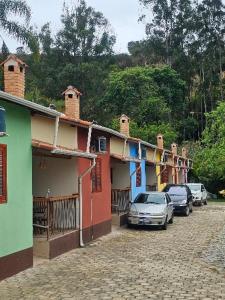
217, 201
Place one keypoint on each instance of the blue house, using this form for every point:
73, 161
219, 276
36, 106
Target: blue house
137, 170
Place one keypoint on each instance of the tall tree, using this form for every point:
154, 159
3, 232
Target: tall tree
15, 8
85, 32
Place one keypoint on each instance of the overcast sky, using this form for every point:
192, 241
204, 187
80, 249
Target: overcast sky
122, 14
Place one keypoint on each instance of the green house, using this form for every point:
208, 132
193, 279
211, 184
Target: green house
16, 236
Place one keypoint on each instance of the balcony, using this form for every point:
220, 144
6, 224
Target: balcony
55, 216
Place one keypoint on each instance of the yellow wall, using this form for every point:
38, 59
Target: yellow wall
43, 129
117, 145
160, 186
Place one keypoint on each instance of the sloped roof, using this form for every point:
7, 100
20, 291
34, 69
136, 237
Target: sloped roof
30, 105
14, 57
69, 88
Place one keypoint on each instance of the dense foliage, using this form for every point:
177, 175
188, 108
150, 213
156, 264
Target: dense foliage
210, 157
171, 82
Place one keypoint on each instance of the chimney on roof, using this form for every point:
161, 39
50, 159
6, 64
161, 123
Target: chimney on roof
14, 76
174, 149
72, 102
160, 142
184, 152
125, 125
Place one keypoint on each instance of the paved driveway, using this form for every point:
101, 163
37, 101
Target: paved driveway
133, 264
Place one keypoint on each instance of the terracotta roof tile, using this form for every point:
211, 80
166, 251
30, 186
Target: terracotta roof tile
14, 57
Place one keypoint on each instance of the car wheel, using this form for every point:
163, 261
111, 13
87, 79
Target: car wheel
187, 211
171, 220
164, 227
130, 225
205, 202
191, 208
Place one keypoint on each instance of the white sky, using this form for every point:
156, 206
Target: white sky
122, 14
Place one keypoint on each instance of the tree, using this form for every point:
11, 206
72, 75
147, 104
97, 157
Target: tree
5, 51
85, 32
210, 157
46, 39
151, 97
23, 32
17, 8
133, 91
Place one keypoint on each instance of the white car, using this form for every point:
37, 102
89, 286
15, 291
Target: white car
151, 208
199, 193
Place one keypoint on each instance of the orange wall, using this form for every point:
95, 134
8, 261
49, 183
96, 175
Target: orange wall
97, 203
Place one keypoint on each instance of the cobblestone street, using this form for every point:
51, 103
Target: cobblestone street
135, 264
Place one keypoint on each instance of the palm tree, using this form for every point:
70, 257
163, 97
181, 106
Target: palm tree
17, 8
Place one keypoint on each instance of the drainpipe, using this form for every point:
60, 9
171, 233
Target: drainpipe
139, 150
89, 138
56, 132
154, 156
124, 148
132, 174
163, 170
80, 181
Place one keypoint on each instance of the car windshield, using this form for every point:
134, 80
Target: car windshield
194, 187
150, 198
176, 191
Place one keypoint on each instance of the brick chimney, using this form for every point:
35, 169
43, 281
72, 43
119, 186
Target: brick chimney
184, 152
125, 125
14, 76
160, 142
174, 149
72, 102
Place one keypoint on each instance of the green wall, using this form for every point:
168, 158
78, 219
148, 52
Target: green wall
16, 214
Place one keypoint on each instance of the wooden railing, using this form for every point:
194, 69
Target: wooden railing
55, 215
151, 188
120, 200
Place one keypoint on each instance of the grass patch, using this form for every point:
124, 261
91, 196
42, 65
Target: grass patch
217, 201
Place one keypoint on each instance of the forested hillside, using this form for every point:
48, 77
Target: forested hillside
168, 83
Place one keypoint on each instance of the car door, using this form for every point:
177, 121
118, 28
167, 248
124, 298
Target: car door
189, 197
204, 192
169, 206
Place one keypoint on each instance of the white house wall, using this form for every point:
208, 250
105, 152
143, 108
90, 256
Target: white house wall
57, 174
121, 177
43, 130
151, 175
117, 146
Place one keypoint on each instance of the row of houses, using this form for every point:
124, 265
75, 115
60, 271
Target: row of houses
65, 181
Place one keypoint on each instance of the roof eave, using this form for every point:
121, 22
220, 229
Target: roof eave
30, 105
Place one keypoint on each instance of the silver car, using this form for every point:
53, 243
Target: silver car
199, 193
151, 208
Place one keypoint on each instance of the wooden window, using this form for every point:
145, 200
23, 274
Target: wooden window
3, 173
96, 176
138, 174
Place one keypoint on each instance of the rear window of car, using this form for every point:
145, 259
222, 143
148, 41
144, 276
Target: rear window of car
154, 198
195, 187
176, 190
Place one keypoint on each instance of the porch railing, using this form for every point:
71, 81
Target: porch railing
151, 188
55, 215
120, 200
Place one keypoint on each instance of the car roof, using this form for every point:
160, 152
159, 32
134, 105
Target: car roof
153, 193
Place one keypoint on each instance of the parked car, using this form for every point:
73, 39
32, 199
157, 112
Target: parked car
182, 198
151, 208
199, 193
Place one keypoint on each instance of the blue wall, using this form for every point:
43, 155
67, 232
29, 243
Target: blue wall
136, 190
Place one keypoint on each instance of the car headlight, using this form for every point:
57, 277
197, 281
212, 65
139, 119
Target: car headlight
133, 212
183, 201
